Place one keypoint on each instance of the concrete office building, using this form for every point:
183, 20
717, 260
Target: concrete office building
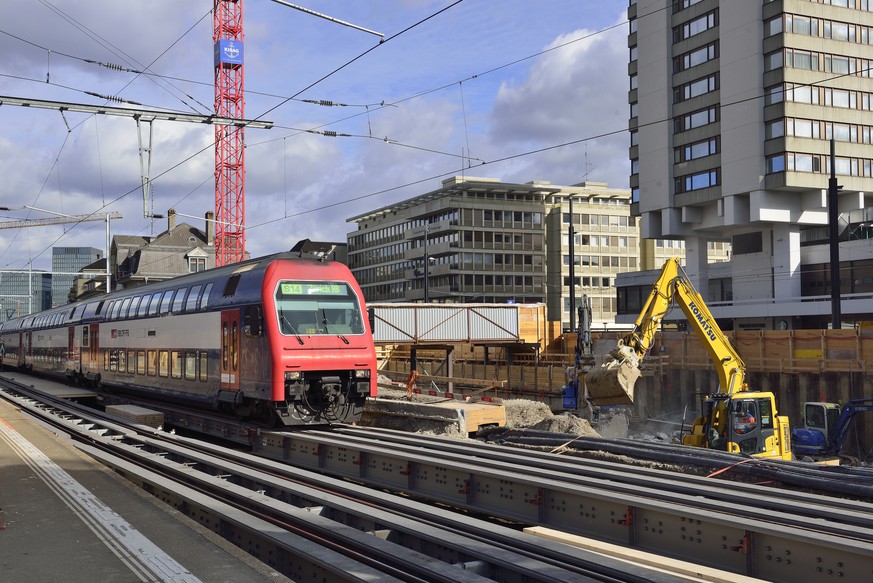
483, 240
732, 108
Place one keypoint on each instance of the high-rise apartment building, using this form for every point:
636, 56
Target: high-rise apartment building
482, 240
69, 260
732, 108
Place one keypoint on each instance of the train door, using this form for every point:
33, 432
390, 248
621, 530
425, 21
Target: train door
88, 350
23, 348
72, 350
229, 361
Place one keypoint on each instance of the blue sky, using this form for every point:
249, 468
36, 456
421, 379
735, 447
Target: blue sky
473, 89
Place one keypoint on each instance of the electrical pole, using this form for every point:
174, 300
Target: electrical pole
834, 237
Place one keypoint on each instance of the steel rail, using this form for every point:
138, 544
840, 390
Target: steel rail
162, 462
725, 534
693, 487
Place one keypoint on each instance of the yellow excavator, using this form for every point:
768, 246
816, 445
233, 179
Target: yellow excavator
734, 419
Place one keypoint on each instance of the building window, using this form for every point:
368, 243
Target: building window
679, 5
695, 57
695, 27
696, 181
803, 94
695, 88
695, 119
774, 129
196, 264
773, 26
803, 128
801, 25
803, 162
774, 94
773, 61
776, 164
696, 150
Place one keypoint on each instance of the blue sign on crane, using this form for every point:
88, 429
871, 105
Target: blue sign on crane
228, 52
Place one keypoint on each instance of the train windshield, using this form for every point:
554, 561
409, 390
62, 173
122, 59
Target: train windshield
306, 307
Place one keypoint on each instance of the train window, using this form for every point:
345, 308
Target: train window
204, 361
109, 307
151, 362
190, 366
143, 306
106, 360
84, 336
179, 301
163, 363
167, 301
125, 306
131, 361
155, 306
253, 323
317, 308
134, 307
230, 286
113, 360
191, 304
140, 362
234, 343
204, 299
224, 346
99, 308
122, 359
176, 364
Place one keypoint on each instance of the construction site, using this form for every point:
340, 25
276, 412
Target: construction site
797, 366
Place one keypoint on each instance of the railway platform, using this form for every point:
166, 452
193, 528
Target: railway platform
65, 517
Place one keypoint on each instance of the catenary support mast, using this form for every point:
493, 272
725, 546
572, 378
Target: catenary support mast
230, 243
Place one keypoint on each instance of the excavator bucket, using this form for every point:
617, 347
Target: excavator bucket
612, 383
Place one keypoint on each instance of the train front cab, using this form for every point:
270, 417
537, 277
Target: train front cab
323, 356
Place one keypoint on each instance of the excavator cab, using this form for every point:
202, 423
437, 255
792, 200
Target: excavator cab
742, 423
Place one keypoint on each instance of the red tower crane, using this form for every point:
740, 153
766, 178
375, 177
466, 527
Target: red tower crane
230, 240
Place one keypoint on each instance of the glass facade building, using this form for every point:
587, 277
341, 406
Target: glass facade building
69, 260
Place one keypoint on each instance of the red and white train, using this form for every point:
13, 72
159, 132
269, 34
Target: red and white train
282, 338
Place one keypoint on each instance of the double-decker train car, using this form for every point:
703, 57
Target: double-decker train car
282, 338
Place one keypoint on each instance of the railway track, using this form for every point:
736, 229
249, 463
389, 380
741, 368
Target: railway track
776, 534
308, 525
773, 533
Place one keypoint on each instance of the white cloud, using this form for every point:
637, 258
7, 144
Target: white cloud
301, 185
570, 93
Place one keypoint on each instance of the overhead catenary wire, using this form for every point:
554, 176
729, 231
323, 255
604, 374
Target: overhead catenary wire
408, 28
497, 160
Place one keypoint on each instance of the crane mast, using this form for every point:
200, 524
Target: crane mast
227, 39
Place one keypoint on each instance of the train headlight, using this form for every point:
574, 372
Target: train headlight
293, 375
362, 373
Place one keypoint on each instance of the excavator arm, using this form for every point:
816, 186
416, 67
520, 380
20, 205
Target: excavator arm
613, 382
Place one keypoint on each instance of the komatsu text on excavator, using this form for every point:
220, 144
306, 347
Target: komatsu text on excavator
734, 418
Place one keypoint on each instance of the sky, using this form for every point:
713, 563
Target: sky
518, 90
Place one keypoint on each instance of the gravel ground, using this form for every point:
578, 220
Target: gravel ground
520, 414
